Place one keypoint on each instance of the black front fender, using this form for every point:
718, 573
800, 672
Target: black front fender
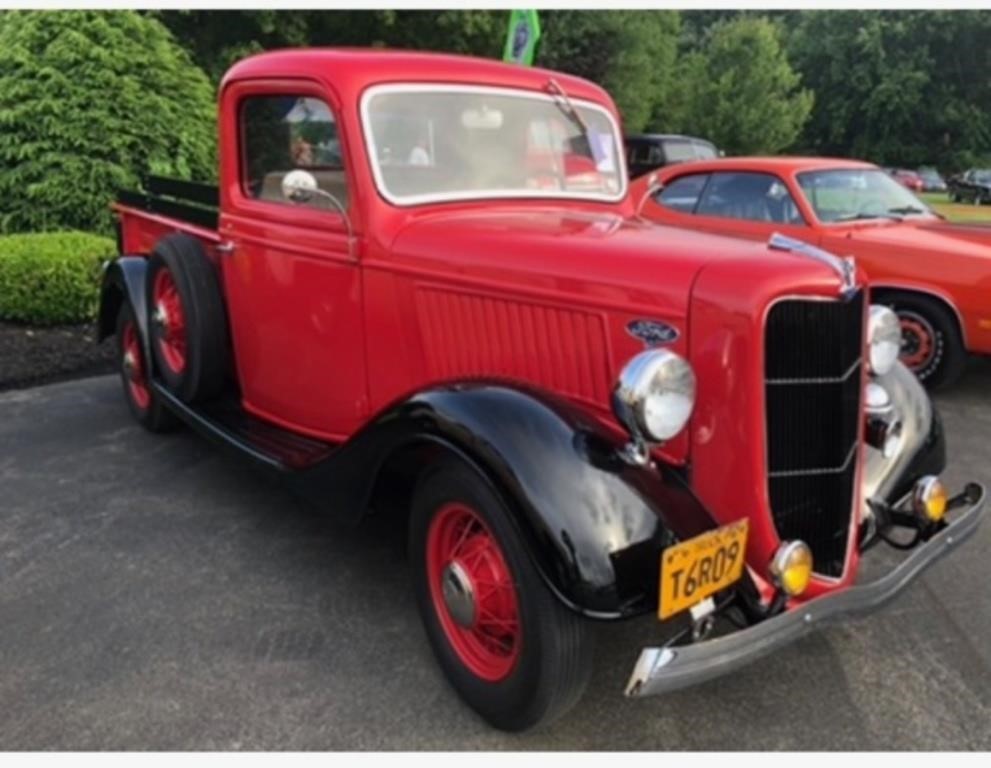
595, 526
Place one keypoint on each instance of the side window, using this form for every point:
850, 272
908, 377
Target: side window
682, 194
639, 152
749, 196
285, 133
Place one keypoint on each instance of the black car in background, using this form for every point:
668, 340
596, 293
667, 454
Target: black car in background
648, 151
973, 186
931, 180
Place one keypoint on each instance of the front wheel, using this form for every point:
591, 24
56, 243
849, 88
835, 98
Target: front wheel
509, 647
932, 347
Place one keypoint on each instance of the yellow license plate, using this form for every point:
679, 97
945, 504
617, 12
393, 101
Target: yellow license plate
694, 569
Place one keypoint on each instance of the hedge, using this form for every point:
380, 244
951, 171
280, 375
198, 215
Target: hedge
51, 278
89, 102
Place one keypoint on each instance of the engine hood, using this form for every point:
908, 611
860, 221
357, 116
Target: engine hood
606, 258
969, 240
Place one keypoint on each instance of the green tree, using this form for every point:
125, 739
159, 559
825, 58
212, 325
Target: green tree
739, 90
216, 39
898, 88
629, 53
88, 102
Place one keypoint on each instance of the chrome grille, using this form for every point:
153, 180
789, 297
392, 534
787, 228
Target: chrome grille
813, 359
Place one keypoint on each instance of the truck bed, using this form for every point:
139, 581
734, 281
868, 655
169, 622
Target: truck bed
166, 205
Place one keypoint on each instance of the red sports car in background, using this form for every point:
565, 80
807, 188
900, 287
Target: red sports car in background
908, 179
935, 275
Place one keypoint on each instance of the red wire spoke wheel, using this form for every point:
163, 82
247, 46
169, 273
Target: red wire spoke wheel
473, 592
510, 647
133, 366
170, 318
141, 400
187, 321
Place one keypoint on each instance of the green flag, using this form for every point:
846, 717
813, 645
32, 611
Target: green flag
522, 37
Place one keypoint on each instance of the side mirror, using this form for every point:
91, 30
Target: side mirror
653, 187
299, 186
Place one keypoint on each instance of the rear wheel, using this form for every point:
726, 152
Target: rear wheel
509, 647
932, 347
133, 366
188, 326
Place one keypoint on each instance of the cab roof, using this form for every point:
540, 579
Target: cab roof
352, 70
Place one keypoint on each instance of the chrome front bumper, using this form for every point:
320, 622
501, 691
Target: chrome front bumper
660, 670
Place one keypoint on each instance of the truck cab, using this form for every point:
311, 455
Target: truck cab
423, 276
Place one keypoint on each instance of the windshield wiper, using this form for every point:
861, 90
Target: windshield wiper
568, 108
905, 210
865, 216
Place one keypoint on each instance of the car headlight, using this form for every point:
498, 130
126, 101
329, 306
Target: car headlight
884, 335
655, 394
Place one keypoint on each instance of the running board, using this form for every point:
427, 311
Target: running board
225, 422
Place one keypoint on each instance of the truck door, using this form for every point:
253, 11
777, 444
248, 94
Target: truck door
291, 279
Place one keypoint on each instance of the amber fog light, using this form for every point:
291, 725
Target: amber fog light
929, 499
791, 567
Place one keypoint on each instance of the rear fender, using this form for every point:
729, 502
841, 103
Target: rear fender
123, 280
594, 525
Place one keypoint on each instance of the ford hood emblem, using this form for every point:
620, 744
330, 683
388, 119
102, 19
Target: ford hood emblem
652, 332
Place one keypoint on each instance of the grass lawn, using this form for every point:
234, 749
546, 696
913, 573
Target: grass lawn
959, 212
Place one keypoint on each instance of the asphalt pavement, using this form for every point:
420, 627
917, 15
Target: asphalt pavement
155, 593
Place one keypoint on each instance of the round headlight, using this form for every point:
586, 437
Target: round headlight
884, 334
655, 394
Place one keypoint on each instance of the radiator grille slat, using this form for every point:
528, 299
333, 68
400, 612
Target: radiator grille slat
813, 353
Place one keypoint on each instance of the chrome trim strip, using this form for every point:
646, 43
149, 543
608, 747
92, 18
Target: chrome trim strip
823, 380
666, 669
819, 470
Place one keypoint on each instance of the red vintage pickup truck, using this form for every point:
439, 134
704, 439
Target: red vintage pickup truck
422, 280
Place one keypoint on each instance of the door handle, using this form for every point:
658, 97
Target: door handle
226, 248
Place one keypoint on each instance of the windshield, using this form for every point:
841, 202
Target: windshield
982, 177
858, 193
432, 143
682, 150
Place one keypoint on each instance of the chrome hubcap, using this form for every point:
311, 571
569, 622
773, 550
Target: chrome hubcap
161, 317
459, 595
129, 363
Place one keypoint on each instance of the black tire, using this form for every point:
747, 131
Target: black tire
132, 363
200, 375
553, 661
927, 322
